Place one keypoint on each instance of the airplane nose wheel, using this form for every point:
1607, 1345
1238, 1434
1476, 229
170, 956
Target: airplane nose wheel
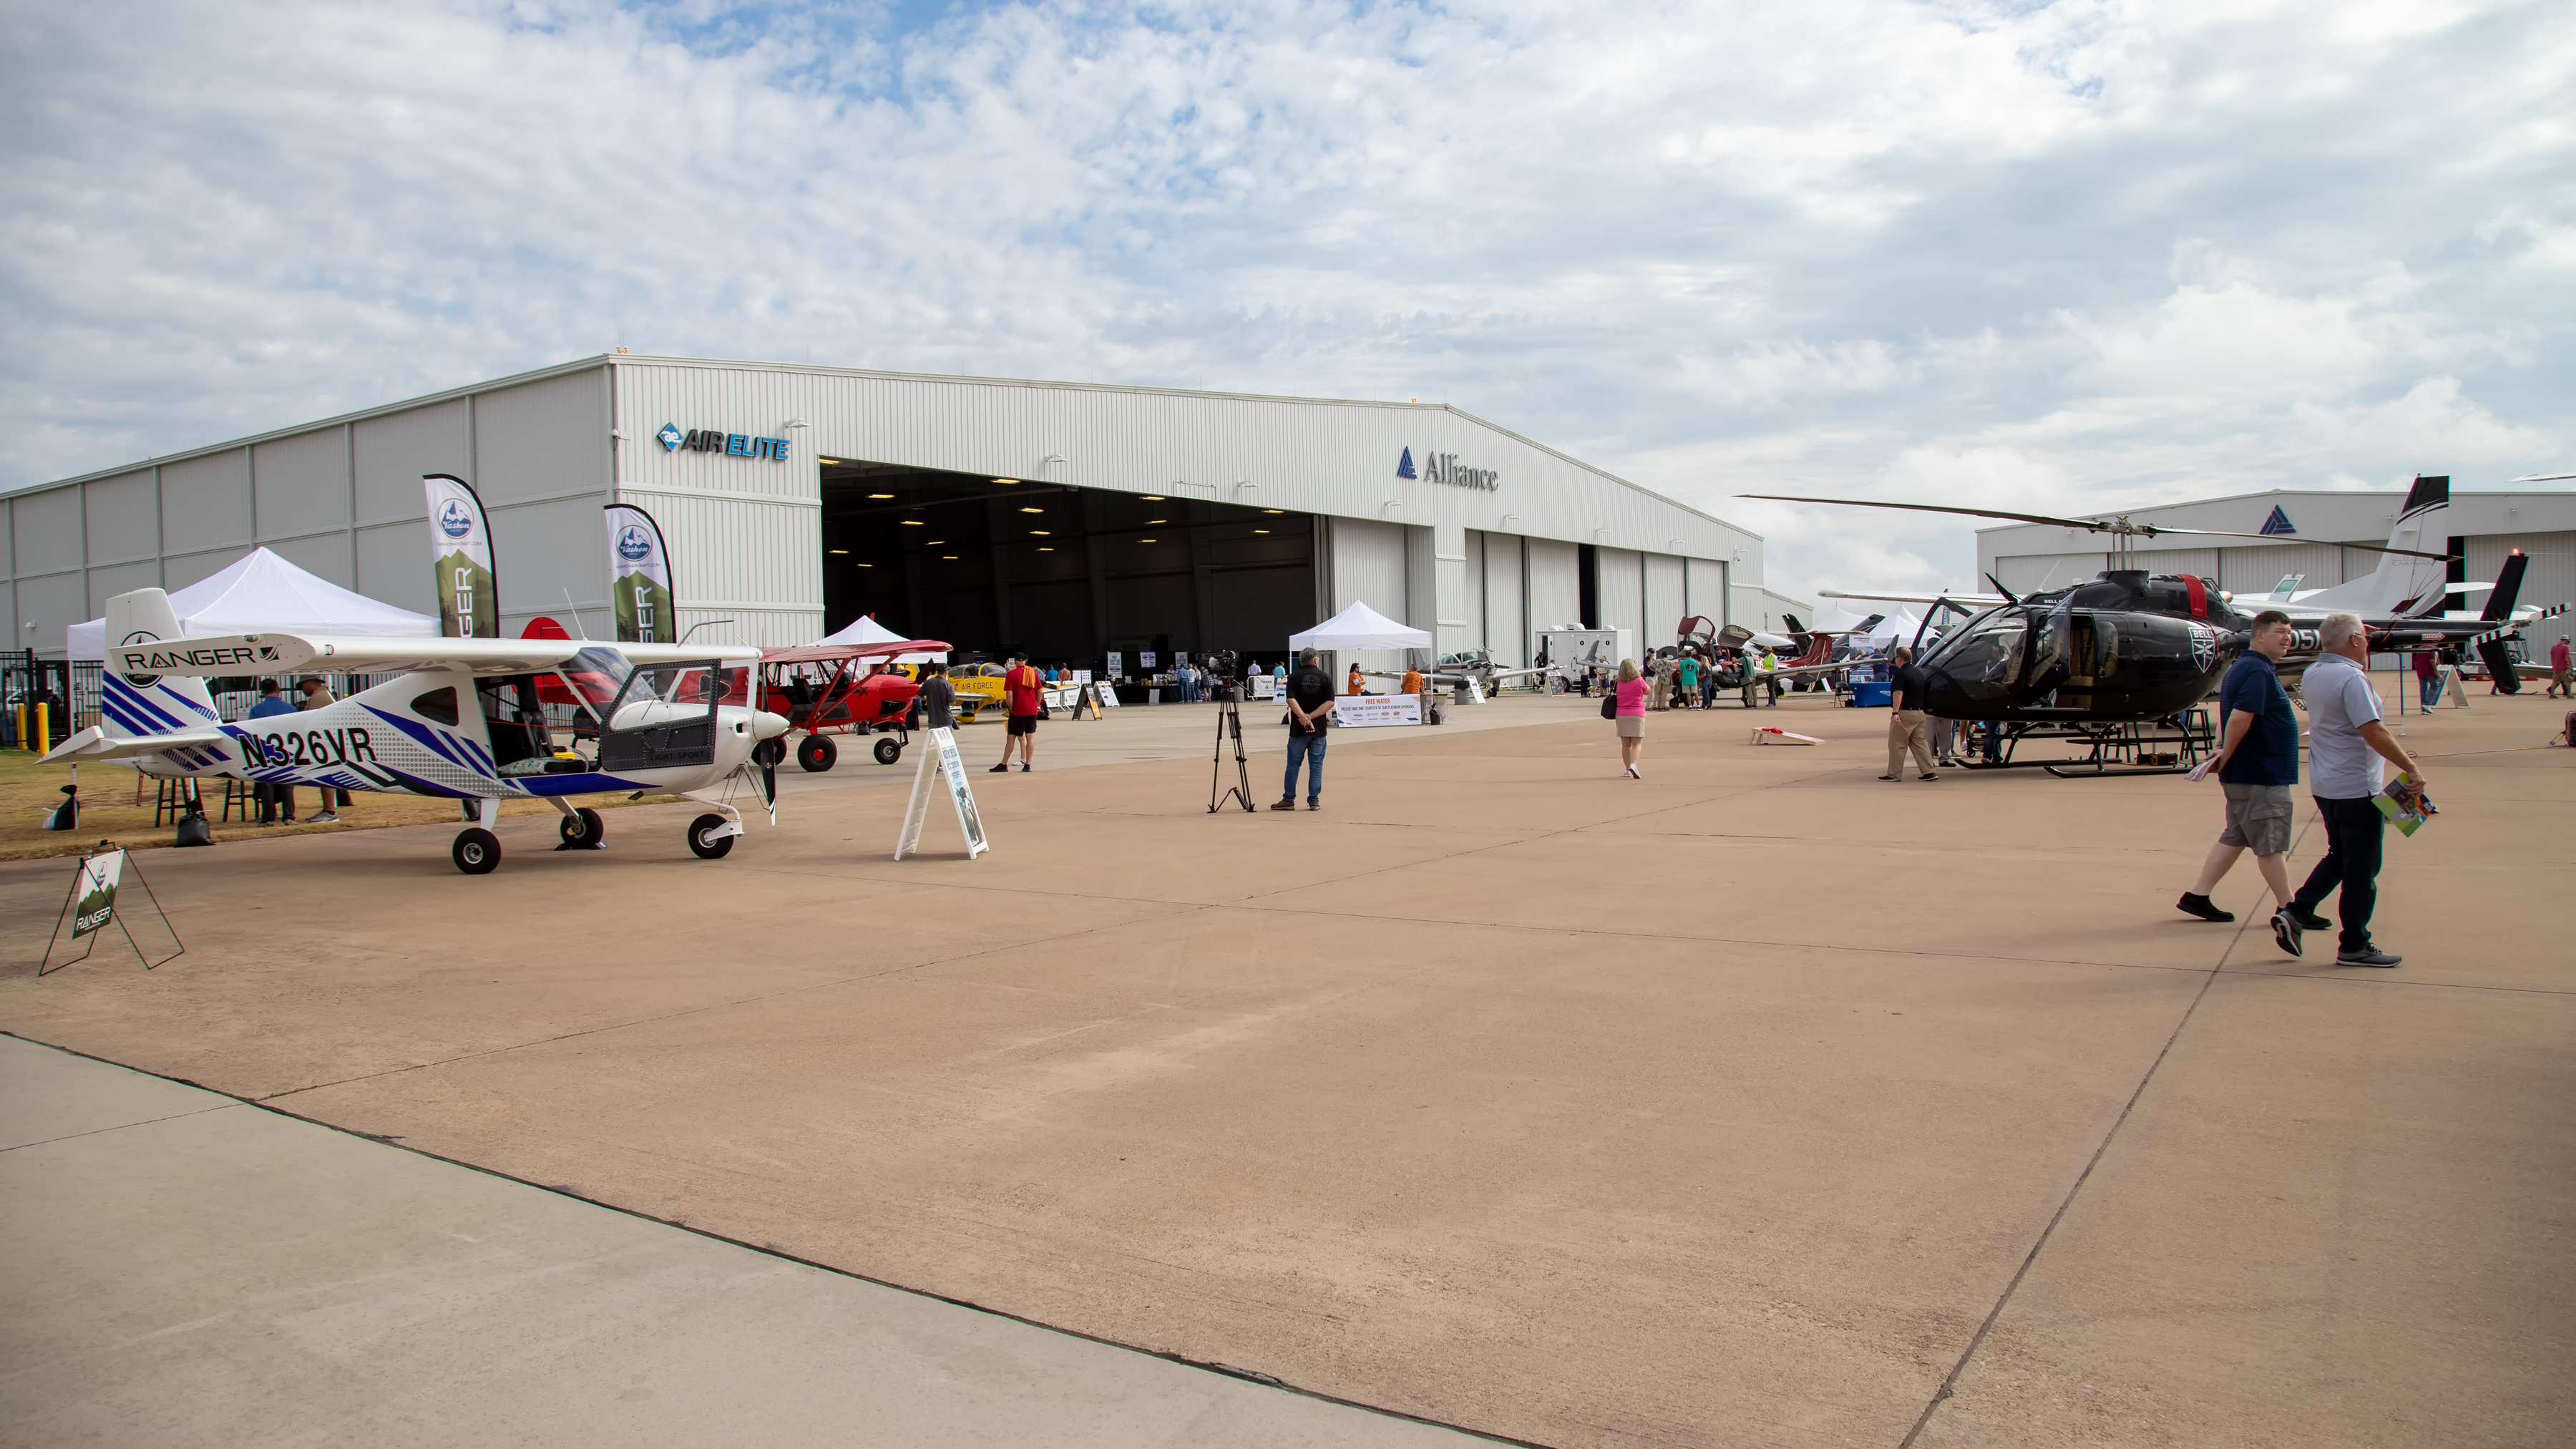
583, 830
887, 751
702, 840
476, 851
815, 754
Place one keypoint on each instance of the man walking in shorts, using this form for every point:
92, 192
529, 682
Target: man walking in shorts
1020, 687
2258, 766
2562, 684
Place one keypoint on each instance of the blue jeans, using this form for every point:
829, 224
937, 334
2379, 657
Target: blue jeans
1302, 747
2429, 689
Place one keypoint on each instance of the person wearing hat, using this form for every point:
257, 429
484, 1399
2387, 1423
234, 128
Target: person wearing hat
317, 693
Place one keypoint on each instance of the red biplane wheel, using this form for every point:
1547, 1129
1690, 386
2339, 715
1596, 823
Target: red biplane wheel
816, 753
888, 750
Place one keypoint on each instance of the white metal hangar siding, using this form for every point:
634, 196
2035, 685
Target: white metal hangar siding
1333, 458
341, 498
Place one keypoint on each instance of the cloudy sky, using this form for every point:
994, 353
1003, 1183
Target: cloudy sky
2028, 255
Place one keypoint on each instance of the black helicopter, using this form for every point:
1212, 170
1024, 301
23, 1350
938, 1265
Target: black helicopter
2124, 661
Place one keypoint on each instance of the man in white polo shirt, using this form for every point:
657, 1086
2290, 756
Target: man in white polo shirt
2346, 742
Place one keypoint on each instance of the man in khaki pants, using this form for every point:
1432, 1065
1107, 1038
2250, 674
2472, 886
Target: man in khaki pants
1905, 718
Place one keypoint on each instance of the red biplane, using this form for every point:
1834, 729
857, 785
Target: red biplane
836, 689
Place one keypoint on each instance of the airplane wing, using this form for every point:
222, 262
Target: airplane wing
94, 743
830, 653
287, 653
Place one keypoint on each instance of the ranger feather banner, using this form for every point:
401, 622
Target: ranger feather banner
460, 550
639, 578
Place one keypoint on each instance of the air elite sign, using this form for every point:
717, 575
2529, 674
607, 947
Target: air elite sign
1445, 468
716, 440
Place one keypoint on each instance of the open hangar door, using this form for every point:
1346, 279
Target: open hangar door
990, 564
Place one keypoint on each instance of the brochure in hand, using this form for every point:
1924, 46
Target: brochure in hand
2405, 804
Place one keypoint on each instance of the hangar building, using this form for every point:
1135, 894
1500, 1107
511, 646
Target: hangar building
1074, 519
2312, 527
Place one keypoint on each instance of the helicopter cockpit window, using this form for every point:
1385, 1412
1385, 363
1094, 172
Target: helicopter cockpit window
1984, 660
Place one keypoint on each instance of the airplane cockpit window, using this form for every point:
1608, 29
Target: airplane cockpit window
1984, 659
438, 704
516, 724
665, 717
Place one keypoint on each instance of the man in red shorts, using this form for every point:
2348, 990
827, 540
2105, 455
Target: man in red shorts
1020, 688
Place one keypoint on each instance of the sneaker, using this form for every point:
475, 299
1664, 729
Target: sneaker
1288, 802
2192, 905
1314, 804
2308, 920
2366, 956
1927, 776
1003, 768
1888, 777
2285, 931
327, 817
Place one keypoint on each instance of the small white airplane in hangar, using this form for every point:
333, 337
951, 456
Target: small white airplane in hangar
464, 720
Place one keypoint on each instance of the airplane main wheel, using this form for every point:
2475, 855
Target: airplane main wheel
707, 847
888, 750
476, 851
816, 753
583, 829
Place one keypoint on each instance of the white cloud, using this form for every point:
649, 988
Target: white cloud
2085, 253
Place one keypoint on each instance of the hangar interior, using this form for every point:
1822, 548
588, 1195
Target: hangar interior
1069, 573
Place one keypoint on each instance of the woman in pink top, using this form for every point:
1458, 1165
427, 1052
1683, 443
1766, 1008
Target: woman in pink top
1631, 718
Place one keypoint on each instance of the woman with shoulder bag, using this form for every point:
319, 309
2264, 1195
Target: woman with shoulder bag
1626, 705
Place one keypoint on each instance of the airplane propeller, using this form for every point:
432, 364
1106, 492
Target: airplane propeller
2117, 524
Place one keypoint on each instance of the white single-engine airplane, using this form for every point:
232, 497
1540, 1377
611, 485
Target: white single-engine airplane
465, 720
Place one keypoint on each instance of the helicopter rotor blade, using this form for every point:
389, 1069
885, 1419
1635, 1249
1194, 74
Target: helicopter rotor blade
2090, 525
2000, 589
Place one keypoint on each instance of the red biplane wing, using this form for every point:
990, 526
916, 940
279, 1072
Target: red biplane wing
832, 653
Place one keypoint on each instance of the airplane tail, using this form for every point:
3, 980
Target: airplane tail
2508, 589
139, 704
2401, 586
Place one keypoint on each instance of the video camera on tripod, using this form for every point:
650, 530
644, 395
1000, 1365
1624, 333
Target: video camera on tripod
1225, 672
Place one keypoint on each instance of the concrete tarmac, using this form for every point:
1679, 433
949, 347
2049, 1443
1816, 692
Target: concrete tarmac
1756, 1102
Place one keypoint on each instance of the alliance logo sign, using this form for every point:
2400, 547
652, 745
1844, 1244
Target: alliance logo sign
713, 440
2279, 522
1445, 468
455, 520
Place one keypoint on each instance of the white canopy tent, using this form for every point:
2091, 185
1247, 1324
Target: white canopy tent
1361, 627
1897, 628
262, 593
866, 630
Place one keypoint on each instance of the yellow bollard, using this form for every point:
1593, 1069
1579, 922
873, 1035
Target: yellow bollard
44, 740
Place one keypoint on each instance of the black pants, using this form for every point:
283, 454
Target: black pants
272, 797
2353, 838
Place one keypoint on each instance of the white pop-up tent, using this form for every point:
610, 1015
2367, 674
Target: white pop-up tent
1361, 627
260, 593
1897, 628
866, 630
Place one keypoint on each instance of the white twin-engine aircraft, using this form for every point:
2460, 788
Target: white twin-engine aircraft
465, 720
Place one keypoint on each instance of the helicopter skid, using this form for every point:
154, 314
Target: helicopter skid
2169, 746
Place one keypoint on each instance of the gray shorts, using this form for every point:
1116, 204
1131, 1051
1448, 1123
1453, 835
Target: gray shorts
2258, 818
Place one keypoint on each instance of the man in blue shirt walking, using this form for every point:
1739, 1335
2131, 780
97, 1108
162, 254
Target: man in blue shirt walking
2258, 764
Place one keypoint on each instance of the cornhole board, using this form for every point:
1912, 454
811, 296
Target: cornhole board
1766, 735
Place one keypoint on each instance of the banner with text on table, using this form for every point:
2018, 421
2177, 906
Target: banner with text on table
1367, 711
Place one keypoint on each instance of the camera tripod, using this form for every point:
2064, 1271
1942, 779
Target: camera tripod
1229, 724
